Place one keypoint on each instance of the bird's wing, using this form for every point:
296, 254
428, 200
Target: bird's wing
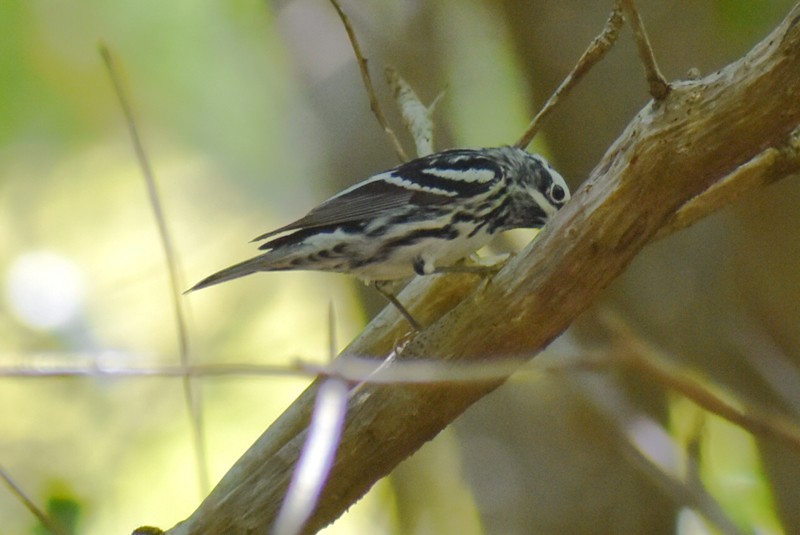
432, 180
364, 201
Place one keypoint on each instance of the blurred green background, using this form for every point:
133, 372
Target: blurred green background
252, 113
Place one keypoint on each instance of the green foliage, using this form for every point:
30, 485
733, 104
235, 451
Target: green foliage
64, 511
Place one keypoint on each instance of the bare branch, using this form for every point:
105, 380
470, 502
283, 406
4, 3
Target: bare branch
596, 51
367, 79
659, 88
637, 353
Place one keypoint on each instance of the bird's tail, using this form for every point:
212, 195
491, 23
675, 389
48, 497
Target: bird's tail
234, 272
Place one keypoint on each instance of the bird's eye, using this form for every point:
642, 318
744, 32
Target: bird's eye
557, 193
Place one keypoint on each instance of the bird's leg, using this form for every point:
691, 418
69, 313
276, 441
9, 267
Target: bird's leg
423, 266
381, 288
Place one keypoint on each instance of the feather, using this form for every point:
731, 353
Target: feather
363, 202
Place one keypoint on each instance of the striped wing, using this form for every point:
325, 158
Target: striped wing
433, 180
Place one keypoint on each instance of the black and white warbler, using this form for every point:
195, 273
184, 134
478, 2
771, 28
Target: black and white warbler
420, 217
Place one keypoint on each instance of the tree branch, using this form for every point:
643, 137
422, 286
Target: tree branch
671, 152
659, 88
596, 51
374, 104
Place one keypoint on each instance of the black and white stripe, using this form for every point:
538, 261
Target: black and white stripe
423, 214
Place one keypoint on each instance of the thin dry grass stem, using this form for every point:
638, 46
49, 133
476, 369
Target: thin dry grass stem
362, 370
50, 524
367, 79
659, 88
192, 402
390, 370
596, 51
198, 371
637, 353
767, 167
377, 372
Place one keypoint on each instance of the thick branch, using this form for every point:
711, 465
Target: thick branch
671, 152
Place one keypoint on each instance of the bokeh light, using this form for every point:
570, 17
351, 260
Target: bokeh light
45, 290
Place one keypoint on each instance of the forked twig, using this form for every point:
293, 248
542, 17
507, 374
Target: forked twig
367, 79
597, 49
195, 410
659, 88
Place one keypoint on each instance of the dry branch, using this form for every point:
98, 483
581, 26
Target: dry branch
374, 104
659, 88
596, 51
671, 152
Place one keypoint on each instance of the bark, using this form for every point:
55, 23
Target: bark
671, 152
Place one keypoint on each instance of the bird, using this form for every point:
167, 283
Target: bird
421, 217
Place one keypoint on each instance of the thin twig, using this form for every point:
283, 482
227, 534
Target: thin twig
641, 355
365, 77
659, 88
50, 524
195, 409
755, 421
597, 49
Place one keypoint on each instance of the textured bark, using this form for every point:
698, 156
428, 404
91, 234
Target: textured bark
672, 151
